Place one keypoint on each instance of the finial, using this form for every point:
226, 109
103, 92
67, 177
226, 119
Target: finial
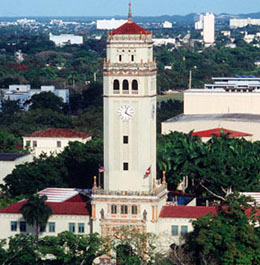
95, 183
164, 179
129, 13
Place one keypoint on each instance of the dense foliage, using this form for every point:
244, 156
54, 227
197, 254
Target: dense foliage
230, 237
216, 167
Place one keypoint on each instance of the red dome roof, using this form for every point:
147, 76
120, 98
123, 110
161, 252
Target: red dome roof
130, 28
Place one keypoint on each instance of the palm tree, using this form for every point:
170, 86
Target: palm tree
35, 212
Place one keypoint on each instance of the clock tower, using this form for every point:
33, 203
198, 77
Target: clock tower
131, 194
129, 109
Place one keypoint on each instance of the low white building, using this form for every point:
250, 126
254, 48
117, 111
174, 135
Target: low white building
241, 23
109, 24
8, 162
66, 39
167, 25
69, 213
23, 93
163, 41
53, 141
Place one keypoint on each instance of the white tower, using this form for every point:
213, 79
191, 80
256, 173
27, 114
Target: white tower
209, 29
131, 194
129, 109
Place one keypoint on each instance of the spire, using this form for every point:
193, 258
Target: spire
129, 13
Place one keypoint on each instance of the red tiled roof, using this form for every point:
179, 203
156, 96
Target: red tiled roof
218, 131
130, 28
59, 208
64, 133
171, 211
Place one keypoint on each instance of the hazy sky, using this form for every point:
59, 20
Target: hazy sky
119, 7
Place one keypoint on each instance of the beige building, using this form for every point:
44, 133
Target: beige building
229, 103
53, 141
8, 162
69, 213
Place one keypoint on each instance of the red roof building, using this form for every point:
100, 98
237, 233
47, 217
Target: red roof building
130, 28
53, 141
70, 212
61, 133
219, 131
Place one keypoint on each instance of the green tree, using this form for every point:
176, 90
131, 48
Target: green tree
133, 247
68, 248
22, 250
35, 212
28, 178
74, 167
217, 167
232, 236
46, 100
8, 142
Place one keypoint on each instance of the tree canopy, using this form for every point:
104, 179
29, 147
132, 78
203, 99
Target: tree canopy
232, 236
216, 167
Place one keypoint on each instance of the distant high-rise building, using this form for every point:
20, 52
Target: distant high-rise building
209, 29
199, 23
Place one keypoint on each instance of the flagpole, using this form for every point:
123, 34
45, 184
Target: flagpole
99, 184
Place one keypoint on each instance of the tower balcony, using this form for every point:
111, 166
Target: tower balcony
150, 66
158, 189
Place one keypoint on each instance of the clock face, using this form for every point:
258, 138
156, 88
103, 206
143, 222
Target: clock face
125, 112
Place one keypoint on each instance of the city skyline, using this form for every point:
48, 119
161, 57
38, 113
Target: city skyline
118, 7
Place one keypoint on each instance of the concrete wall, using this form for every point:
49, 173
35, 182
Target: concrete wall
165, 237
210, 102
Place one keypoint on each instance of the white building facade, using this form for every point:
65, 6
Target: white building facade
231, 103
52, 140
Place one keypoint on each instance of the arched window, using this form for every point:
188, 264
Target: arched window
134, 85
125, 85
116, 85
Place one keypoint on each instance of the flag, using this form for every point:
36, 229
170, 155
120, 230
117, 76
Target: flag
101, 169
148, 171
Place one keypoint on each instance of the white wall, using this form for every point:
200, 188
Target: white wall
48, 145
61, 224
203, 102
8, 166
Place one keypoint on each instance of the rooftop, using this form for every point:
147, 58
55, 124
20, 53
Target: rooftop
171, 211
62, 133
11, 156
130, 28
62, 202
209, 117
